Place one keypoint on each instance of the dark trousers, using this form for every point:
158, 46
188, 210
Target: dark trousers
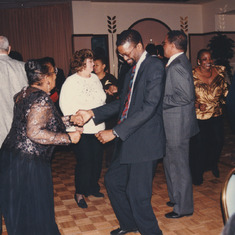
206, 147
89, 154
0, 221
0, 218
129, 187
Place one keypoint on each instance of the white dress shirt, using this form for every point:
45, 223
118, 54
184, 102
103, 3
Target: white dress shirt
141, 59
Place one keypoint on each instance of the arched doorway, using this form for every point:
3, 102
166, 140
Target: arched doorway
151, 30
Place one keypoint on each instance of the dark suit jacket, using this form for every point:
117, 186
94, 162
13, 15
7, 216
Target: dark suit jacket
178, 105
141, 135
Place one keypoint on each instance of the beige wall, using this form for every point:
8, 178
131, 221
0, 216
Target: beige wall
211, 9
91, 18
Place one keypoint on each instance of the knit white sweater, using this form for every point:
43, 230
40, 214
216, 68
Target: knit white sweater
82, 93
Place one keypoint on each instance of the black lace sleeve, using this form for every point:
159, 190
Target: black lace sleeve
40, 125
66, 120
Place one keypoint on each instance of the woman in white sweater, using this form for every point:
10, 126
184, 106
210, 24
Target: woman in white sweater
83, 90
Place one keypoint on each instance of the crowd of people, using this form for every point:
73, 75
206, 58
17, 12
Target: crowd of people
163, 109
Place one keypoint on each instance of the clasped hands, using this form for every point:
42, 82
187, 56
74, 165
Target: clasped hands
83, 116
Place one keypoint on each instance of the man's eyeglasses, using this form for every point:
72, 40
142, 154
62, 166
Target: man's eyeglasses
127, 55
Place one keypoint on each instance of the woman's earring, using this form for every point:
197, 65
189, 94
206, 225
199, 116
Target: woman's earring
48, 88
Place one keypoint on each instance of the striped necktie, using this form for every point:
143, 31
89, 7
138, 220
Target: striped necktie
127, 100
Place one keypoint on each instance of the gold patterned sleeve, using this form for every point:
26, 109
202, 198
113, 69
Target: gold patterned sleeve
224, 85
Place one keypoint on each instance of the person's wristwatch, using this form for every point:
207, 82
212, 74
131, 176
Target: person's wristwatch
115, 133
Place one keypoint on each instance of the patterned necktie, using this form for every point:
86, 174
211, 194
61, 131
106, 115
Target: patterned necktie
127, 100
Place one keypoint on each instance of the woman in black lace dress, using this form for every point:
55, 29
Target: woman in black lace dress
26, 191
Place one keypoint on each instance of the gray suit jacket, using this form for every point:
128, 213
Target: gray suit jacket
12, 79
178, 104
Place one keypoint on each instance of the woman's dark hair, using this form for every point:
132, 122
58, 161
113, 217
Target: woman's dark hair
16, 55
77, 63
129, 35
151, 49
202, 51
160, 50
35, 70
103, 60
49, 60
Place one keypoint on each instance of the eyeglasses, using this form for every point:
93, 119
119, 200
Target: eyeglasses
127, 55
55, 71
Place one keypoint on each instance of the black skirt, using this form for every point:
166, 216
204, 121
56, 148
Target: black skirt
26, 195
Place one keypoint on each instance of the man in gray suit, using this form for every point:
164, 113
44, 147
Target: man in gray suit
12, 79
180, 124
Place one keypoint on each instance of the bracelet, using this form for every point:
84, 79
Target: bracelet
70, 123
69, 138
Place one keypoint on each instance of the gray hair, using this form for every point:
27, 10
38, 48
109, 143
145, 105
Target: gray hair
4, 44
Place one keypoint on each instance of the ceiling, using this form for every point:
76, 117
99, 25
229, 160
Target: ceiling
29, 3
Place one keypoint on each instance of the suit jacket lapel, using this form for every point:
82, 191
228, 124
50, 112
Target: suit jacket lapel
140, 71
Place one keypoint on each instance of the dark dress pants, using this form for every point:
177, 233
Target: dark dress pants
0, 221
129, 187
89, 154
206, 147
213, 139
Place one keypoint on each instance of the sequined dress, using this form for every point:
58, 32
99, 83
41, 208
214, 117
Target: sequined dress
26, 192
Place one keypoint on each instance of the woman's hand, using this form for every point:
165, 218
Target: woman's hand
85, 114
75, 136
112, 90
77, 120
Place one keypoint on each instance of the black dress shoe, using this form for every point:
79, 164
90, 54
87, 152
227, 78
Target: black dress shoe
215, 172
98, 194
173, 215
120, 231
170, 204
81, 203
197, 181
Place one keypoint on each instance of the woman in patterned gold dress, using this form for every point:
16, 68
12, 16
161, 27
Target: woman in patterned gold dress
26, 191
210, 90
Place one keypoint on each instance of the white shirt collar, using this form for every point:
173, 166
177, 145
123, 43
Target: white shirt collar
173, 57
141, 59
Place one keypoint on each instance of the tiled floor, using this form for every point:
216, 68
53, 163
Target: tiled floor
99, 218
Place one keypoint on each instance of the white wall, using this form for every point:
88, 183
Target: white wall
211, 9
91, 18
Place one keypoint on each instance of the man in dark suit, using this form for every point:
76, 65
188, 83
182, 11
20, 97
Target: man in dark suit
180, 124
140, 138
